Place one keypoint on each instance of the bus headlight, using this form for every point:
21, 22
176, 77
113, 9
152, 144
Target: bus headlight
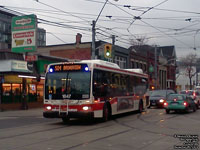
86, 108
48, 107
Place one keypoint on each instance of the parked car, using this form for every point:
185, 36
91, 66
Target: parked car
195, 95
158, 97
179, 102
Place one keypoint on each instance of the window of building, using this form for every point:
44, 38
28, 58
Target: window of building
121, 61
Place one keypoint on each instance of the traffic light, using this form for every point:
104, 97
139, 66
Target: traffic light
107, 50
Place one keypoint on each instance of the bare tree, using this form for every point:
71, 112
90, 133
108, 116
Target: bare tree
139, 41
189, 63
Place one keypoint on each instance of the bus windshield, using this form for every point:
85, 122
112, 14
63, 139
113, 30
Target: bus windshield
67, 85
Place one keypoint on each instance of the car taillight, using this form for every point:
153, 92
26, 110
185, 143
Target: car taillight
194, 94
165, 103
185, 103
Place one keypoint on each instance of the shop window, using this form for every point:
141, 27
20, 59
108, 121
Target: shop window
40, 92
6, 89
16, 92
32, 93
7, 93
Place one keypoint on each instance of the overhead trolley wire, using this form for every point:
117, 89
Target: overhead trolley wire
61, 11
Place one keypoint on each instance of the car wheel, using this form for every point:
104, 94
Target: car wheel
187, 109
194, 108
167, 111
198, 105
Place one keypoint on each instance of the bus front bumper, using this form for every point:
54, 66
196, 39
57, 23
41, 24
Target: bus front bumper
55, 114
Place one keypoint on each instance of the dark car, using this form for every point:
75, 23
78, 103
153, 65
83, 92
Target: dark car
158, 97
195, 95
179, 102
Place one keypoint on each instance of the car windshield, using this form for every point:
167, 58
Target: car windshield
187, 92
67, 85
190, 92
159, 93
175, 97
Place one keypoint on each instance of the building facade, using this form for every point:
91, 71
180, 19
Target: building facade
19, 77
158, 62
83, 51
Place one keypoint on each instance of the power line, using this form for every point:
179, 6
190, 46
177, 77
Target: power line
139, 17
61, 10
57, 37
165, 33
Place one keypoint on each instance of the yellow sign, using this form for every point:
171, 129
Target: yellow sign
12, 79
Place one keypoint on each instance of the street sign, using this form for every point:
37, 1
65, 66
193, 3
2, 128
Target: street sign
24, 33
31, 58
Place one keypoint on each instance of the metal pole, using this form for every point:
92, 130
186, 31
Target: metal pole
113, 39
155, 66
94, 31
93, 39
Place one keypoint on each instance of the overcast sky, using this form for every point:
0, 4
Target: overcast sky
162, 22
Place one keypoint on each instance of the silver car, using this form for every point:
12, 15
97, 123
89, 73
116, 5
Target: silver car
158, 97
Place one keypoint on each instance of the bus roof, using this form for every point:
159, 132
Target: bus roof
101, 62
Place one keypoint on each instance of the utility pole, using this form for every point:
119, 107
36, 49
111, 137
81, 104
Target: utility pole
94, 31
93, 39
155, 66
113, 39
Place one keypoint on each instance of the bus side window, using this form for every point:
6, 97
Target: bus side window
100, 83
95, 83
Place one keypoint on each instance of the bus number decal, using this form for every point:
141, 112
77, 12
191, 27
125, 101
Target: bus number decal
58, 68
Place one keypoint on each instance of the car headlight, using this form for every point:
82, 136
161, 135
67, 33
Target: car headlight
161, 100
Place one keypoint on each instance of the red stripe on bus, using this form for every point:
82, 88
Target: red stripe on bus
94, 107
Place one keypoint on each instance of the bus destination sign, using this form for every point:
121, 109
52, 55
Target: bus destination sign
60, 68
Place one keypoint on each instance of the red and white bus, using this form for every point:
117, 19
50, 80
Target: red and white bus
93, 88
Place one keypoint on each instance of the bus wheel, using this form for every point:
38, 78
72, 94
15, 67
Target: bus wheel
140, 107
106, 113
65, 120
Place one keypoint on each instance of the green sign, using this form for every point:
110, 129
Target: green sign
24, 33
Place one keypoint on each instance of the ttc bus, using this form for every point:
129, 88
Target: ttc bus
94, 89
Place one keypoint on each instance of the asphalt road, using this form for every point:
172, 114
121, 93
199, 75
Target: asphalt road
151, 130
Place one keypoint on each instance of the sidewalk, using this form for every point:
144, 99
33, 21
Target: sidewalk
22, 113
18, 106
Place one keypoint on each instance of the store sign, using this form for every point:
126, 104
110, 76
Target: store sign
20, 66
12, 79
31, 58
24, 33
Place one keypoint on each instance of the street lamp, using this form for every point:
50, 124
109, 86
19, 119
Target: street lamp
94, 31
